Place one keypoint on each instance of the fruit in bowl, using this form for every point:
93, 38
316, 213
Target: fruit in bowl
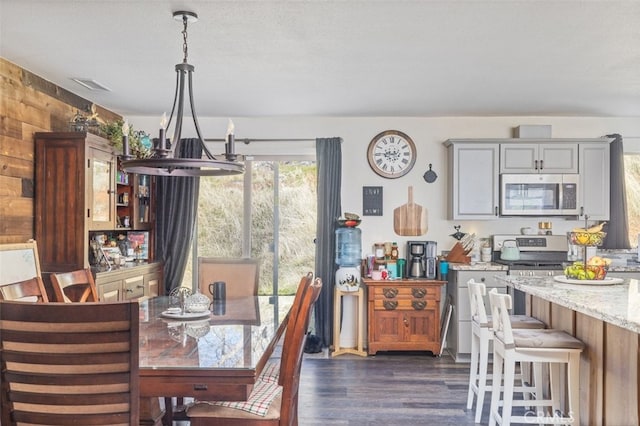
595, 269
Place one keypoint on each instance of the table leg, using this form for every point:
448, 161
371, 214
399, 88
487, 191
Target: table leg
150, 412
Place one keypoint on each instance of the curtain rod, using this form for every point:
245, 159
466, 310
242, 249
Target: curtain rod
247, 141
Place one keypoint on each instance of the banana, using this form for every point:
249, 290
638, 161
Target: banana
592, 230
596, 228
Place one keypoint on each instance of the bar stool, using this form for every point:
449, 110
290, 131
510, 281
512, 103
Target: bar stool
538, 346
481, 335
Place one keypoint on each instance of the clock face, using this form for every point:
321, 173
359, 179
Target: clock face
391, 154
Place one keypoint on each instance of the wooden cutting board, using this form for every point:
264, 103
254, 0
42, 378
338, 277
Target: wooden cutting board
410, 219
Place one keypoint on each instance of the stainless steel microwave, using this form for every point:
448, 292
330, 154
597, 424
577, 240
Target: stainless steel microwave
539, 195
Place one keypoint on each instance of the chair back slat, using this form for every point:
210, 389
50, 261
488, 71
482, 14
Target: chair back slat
477, 292
500, 305
287, 322
74, 286
69, 364
31, 290
292, 353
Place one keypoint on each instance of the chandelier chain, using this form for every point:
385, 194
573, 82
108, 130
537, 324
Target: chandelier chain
184, 38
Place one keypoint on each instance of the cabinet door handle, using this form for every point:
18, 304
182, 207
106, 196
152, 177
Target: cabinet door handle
541, 164
390, 305
482, 279
405, 320
419, 305
535, 164
390, 293
419, 293
495, 210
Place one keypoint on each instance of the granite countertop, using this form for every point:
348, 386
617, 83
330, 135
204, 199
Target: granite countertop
617, 304
478, 266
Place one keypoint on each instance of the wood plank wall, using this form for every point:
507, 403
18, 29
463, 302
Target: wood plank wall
28, 104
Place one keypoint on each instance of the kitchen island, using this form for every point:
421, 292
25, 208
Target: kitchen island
607, 319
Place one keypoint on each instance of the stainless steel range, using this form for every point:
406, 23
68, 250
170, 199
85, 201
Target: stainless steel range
539, 255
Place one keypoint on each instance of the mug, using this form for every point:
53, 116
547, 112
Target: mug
218, 290
376, 274
384, 274
219, 307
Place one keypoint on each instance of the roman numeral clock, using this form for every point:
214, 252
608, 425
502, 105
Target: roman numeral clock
391, 154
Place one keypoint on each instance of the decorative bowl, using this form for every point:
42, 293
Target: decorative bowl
349, 223
587, 238
197, 302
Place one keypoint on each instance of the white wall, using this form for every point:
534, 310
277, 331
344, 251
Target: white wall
428, 135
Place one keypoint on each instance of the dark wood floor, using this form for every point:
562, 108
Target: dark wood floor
386, 389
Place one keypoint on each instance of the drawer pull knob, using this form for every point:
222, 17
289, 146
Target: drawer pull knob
419, 293
390, 305
200, 387
419, 305
390, 293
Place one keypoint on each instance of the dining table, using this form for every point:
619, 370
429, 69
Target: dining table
217, 354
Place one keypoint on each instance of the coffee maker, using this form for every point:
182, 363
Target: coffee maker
422, 259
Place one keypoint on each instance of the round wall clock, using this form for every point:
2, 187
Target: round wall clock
391, 154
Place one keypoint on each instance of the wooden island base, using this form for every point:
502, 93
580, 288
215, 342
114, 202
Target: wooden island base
609, 365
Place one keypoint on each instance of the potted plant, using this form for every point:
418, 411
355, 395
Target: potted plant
139, 142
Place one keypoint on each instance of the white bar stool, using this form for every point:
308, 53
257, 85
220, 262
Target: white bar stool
481, 335
538, 346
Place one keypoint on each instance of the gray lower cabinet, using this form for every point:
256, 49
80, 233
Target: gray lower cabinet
129, 283
459, 334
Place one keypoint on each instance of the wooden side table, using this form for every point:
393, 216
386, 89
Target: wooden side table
337, 315
403, 315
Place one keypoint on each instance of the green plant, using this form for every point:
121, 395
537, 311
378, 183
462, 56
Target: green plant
139, 145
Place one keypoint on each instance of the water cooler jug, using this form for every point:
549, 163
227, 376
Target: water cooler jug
348, 258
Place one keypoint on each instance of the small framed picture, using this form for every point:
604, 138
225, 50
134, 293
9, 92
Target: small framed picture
140, 244
372, 201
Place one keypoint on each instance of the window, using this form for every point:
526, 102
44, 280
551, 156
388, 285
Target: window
632, 184
267, 213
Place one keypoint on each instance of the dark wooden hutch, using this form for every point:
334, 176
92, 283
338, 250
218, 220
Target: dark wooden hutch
81, 196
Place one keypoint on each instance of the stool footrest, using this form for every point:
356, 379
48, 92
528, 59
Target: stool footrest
535, 419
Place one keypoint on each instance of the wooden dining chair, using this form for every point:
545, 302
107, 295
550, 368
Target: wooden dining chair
69, 363
31, 290
241, 275
74, 286
175, 407
271, 371
269, 403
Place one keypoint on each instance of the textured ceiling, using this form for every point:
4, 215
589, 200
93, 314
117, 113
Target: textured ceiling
339, 58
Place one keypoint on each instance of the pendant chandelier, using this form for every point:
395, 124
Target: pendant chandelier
164, 159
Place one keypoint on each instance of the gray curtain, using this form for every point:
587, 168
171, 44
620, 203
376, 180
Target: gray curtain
329, 162
618, 226
176, 213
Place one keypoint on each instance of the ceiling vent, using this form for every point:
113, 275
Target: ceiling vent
91, 84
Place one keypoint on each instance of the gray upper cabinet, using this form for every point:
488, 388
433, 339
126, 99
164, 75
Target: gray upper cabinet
594, 180
473, 179
475, 165
538, 157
